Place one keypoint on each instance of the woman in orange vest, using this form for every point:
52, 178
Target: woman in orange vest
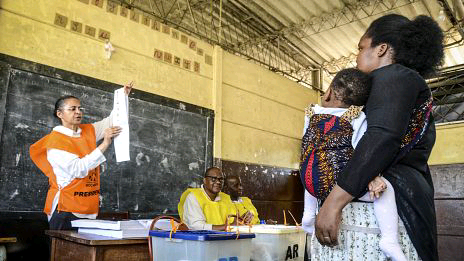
70, 158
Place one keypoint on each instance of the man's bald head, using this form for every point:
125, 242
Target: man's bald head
212, 169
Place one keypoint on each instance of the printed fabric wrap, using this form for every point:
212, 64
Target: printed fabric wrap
326, 149
417, 127
326, 146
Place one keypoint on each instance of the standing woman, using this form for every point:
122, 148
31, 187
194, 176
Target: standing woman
397, 52
70, 158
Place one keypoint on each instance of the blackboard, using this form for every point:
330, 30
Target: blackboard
171, 141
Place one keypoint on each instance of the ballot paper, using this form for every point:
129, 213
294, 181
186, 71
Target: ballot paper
121, 119
118, 229
112, 225
131, 233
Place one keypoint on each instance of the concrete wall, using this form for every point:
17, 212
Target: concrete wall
448, 147
28, 31
448, 177
262, 112
262, 115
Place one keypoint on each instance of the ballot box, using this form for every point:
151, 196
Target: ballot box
276, 242
200, 245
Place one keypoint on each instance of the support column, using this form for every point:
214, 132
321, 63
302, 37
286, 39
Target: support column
317, 80
217, 101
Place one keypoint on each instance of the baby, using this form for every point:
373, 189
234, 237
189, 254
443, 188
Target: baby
331, 133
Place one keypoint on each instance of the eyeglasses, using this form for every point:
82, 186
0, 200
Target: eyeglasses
215, 179
74, 108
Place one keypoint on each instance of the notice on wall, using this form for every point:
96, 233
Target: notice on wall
121, 119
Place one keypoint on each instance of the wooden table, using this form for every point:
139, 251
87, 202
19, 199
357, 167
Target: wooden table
70, 245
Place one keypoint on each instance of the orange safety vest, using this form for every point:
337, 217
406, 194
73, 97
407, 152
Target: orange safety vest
82, 194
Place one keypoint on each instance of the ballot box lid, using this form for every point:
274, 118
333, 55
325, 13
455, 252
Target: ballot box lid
268, 229
201, 235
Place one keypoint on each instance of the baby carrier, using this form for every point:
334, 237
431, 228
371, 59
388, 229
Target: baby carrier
417, 126
326, 146
326, 149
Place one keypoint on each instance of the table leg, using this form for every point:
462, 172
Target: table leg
53, 249
2, 253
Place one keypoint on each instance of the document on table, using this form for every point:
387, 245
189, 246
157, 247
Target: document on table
121, 119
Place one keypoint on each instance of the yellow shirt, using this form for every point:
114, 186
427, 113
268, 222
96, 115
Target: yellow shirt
215, 212
243, 205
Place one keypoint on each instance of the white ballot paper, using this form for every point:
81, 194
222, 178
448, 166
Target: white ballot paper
121, 119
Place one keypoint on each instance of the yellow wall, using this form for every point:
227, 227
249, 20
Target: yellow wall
28, 31
262, 114
259, 114
448, 147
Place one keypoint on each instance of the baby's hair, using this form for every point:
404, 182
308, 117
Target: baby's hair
60, 103
351, 86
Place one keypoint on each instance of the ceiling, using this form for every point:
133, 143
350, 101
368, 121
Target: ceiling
300, 39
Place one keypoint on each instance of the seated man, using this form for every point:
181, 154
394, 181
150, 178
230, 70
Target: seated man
243, 205
206, 208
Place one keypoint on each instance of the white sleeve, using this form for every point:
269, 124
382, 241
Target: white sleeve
101, 126
359, 128
70, 166
306, 123
309, 213
193, 214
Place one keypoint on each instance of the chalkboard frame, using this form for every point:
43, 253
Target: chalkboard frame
8, 63
25, 65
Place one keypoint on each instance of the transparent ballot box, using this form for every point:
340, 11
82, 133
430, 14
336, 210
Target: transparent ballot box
276, 242
200, 245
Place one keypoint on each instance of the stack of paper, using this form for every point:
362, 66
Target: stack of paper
118, 229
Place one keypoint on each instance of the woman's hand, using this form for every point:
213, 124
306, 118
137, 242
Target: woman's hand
128, 88
329, 217
327, 224
109, 134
